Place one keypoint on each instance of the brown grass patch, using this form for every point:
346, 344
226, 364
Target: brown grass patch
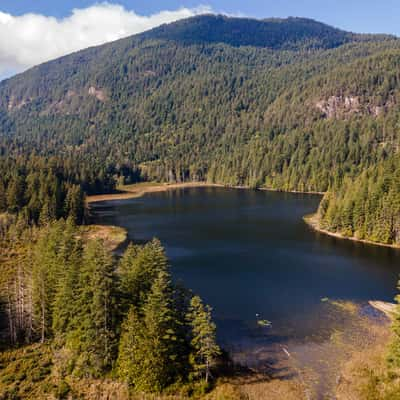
364, 375
257, 387
112, 236
139, 189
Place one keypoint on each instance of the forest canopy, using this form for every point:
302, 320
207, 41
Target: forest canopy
291, 105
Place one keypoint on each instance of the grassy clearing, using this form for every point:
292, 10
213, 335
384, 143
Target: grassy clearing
112, 236
138, 186
139, 189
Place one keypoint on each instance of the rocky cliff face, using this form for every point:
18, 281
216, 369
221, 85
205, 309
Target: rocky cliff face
339, 107
67, 104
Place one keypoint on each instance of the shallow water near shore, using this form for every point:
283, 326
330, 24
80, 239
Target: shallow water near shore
250, 256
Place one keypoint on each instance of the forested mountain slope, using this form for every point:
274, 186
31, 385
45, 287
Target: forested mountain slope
287, 104
291, 33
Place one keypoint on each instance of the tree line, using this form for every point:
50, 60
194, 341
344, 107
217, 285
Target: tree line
42, 189
367, 206
102, 314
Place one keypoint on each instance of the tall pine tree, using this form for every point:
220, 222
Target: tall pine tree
149, 347
203, 341
92, 338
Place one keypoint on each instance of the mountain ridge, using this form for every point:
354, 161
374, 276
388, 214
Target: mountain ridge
159, 109
183, 32
159, 31
274, 33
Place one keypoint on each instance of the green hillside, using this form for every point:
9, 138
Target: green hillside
287, 104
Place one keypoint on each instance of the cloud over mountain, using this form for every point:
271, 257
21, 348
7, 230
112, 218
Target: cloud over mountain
31, 39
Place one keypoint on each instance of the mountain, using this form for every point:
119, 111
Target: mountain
291, 33
288, 104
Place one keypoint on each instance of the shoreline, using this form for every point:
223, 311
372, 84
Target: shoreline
291, 191
137, 190
297, 387
313, 222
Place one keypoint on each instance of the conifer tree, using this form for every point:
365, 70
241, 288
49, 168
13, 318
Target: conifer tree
45, 274
138, 269
74, 203
148, 353
131, 352
203, 340
161, 324
64, 308
92, 338
15, 193
45, 215
128, 278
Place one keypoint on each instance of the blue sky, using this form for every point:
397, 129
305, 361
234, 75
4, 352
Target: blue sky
35, 31
355, 15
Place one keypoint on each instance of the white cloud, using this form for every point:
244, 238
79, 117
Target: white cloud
31, 39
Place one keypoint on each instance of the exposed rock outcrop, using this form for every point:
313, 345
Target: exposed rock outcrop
16, 104
339, 107
98, 93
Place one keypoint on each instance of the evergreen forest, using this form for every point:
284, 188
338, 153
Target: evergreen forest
282, 104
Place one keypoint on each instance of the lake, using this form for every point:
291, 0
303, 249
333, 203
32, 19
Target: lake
251, 257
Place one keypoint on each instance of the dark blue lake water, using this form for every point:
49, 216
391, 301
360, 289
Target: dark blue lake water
250, 256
